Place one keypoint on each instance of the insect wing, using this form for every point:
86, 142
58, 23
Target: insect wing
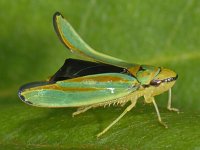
82, 91
73, 41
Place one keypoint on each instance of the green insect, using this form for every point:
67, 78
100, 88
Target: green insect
104, 81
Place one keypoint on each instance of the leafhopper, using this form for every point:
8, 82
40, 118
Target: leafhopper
104, 80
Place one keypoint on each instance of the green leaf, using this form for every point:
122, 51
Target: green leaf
156, 32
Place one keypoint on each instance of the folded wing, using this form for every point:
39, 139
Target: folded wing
82, 91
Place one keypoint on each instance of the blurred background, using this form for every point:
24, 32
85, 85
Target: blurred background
155, 32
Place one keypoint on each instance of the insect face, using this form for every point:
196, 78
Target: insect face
163, 81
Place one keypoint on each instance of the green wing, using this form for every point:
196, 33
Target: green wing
82, 91
73, 41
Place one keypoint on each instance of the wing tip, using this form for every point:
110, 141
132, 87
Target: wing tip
57, 13
56, 28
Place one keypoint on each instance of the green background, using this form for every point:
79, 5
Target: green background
156, 32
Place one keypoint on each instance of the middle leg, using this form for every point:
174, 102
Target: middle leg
158, 113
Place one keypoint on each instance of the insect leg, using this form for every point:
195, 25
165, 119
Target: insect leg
123, 104
170, 102
81, 110
116, 120
158, 113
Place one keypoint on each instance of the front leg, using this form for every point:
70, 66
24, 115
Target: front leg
170, 103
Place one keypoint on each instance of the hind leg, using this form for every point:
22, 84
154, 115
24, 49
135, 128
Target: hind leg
116, 120
81, 110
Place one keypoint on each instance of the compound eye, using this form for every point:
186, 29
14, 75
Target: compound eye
155, 82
